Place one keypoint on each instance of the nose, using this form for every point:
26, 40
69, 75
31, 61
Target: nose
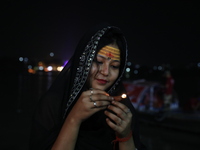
104, 69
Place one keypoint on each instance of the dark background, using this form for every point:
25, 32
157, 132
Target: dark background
157, 32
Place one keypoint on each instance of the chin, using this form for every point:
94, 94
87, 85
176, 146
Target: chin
99, 88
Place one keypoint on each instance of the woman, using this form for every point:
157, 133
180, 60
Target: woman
80, 111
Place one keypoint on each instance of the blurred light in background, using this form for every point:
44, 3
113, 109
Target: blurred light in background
129, 63
160, 67
51, 54
29, 67
41, 68
65, 62
21, 59
154, 68
60, 68
128, 69
49, 68
198, 64
25, 59
135, 71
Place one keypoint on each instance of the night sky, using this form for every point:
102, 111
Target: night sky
156, 32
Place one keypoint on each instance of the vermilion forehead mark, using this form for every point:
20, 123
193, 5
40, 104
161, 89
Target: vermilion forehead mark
110, 55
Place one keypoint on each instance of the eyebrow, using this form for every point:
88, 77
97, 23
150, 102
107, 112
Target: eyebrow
105, 58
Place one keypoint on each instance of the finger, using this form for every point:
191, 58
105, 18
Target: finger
100, 100
118, 121
123, 107
120, 131
118, 111
95, 106
101, 97
101, 103
112, 125
92, 91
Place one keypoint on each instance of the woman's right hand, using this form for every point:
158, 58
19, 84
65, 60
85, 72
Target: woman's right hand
89, 102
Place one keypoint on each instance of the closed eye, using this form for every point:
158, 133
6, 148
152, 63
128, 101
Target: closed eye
99, 62
115, 67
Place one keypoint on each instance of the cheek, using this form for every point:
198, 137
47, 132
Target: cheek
93, 70
92, 73
115, 75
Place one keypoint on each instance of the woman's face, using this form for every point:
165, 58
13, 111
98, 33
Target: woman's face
105, 69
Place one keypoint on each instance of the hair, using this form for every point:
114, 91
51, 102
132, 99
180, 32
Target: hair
111, 37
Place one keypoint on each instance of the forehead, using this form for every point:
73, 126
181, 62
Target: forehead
110, 52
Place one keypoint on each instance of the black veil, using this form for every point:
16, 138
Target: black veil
55, 105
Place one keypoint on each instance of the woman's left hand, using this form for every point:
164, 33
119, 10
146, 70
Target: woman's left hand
120, 120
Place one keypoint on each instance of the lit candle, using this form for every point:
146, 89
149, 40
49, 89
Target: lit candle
121, 97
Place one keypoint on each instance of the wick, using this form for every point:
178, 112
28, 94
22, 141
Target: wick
123, 96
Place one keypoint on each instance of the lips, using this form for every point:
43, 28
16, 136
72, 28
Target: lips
101, 81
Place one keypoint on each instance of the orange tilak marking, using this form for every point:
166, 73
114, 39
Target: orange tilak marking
110, 55
110, 52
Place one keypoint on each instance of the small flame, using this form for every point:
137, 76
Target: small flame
123, 96
120, 97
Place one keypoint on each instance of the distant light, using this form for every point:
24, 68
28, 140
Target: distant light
31, 71
60, 68
128, 69
159, 67
127, 75
40, 63
198, 64
154, 68
135, 71
65, 62
129, 63
51, 54
25, 59
49, 68
29, 67
21, 58
41, 68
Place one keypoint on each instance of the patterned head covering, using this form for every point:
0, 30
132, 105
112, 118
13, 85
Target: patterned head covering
88, 55
56, 104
